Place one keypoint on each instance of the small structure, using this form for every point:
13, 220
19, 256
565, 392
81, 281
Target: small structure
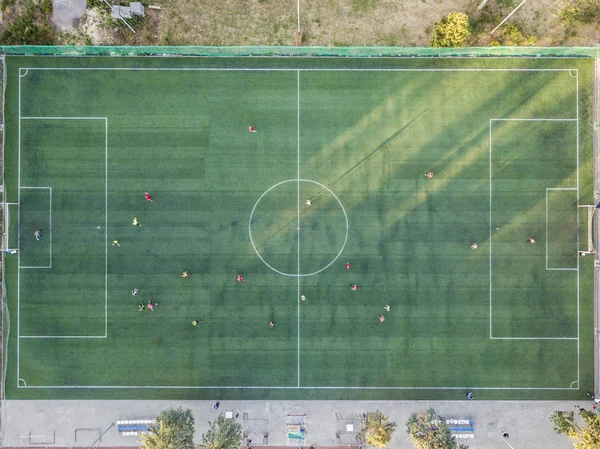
121, 12
137, 8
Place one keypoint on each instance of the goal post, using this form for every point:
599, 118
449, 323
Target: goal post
8, 233
589, 248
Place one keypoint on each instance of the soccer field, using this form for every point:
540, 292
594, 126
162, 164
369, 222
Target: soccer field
509, 144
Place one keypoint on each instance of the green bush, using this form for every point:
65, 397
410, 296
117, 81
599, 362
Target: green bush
584, 11
451, 31
511, 36
28, 30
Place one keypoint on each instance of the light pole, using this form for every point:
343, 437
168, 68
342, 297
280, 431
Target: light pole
506, 18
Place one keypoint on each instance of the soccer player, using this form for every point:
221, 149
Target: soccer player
387, 307
37, 234
135, 222
348, 266
185, 274
307, 202
116, 243
271, 323
381, 318
251, 129
240, 278
531, 240
141, 307
151, 305
303, 298
354, 287
474, 246
429, 175
135, 291
196, 322
148, 196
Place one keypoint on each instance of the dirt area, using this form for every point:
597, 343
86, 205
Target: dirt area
353, 22
322, 22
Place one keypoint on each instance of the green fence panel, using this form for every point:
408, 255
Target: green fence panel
71, 50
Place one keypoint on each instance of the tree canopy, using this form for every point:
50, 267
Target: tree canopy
378, 430
586, 436
451, 31
223, 434
428, 432
174, 429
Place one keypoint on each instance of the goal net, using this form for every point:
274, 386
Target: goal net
591, 209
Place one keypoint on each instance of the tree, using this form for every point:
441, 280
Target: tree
377, 430
426, 432
223, 434
586, 436
174, 429
451, 31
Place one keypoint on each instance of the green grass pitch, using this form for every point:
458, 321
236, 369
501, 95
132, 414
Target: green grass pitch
509, 142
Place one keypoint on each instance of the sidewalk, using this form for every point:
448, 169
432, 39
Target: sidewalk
59, 424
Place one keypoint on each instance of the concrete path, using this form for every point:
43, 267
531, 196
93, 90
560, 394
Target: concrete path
66, 12
79, 423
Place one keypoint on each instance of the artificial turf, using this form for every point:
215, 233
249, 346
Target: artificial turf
353, 137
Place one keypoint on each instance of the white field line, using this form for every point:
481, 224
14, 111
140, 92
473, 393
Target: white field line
50, 226
254, 244
252, 387
106, 227
490, 241
279, 69
161, 56
63, 118
298, 224
19, 239
19, 336
576, 120
62, 336
559, 268
534, 338
262, 69
578, 243
534, 119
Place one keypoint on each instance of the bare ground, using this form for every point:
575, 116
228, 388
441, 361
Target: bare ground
352, 22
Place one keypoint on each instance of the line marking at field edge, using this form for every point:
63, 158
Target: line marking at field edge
534, 338
260, 69
19, 241
298, 225
252, 387
578, 242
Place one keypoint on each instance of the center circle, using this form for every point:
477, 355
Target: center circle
298, 227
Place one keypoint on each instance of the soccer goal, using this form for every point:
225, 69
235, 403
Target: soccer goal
8, 242
591, 209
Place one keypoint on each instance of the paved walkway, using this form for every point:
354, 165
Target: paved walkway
66, 12
72, 424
